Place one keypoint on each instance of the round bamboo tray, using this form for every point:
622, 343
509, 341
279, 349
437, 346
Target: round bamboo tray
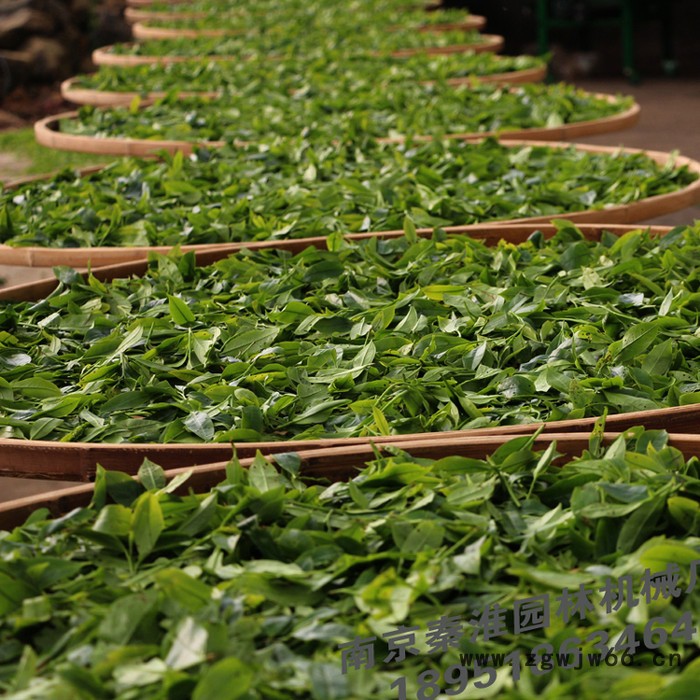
471, 23
335, 463
48, 134
142, 30
78, 460
104, 56
34, 256
490, 43
641, 210
132, 14
658, 205
515, 77
146, 32
107, 98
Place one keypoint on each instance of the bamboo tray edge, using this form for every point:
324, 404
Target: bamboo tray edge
113, 261
34, 256
337, 463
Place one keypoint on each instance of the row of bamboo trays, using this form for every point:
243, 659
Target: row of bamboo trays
78, 461
40, 459
143, 31
330, 458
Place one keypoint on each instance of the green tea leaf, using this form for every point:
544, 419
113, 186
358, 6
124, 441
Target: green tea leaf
179, 311
148, 523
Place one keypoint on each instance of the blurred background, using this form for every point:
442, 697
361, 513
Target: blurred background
45, 41
586, 37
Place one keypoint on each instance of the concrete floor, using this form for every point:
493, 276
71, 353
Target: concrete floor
11, 488
670, 120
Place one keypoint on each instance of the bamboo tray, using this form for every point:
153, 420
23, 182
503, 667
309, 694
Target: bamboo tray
144, 31
514, 230
78, 460
515, 77
470, 23
649, 208
104, 56
47, 133
604, 125
492, 43
106, 98
335, 464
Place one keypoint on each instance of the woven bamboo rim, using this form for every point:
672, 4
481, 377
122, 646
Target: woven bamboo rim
632, 213
47, 133
107, 98
515, 77
132, 14
470, 23
106, 57
490, 43
144, 31
336, 462
112, 262
148, 3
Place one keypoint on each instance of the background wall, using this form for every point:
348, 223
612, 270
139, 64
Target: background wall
599, 54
